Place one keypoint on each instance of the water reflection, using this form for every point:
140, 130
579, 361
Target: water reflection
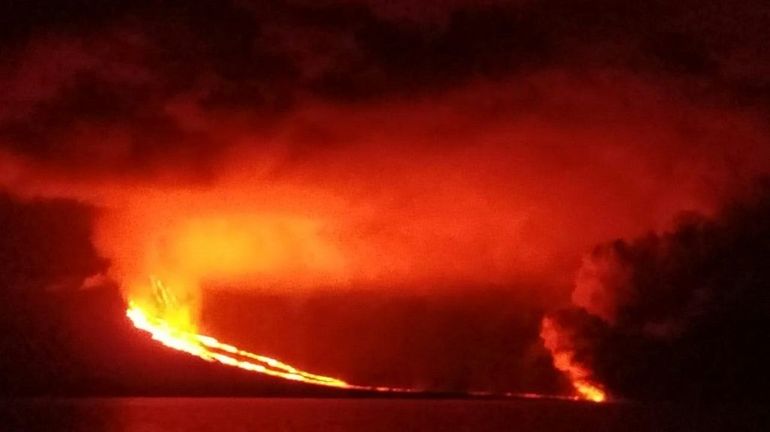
345, 415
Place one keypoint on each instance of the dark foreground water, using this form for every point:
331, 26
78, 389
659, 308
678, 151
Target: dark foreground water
306, 415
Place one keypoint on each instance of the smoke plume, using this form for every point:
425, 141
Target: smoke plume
674, 315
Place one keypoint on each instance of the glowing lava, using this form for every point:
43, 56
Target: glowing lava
210, 349
559, 343
178, 334
590, 391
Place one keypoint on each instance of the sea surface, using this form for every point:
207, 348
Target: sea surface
346, 415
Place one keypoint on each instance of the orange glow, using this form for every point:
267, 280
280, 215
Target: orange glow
463, 190
558, 343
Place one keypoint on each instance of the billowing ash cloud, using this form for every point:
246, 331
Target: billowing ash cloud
676, 315
378, 147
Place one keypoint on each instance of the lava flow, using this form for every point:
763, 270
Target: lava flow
181, 337
210, 349
589, 391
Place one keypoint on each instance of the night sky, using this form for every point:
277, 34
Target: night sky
442, 195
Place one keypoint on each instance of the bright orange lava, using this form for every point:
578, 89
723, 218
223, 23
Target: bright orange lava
590, 391
210, 349
178, 334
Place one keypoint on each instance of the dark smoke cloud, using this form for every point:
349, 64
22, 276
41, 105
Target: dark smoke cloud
680, 314
79, 72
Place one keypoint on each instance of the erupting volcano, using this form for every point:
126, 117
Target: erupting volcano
445, 198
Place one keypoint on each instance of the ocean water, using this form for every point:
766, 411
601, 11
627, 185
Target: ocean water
346, 415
